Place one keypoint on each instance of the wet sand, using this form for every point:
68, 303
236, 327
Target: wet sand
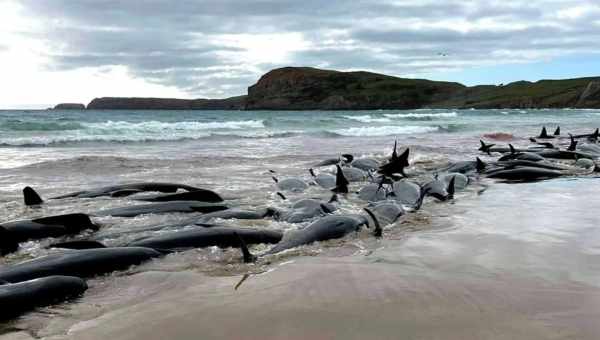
521, 261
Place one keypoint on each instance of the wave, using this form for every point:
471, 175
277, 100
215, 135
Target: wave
19, 125
47, 141
421, 116
156, 126
368, 119
383, 130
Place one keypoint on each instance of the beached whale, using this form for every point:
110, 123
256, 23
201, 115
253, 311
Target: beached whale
201, 195
290, 184
325, 181
235, 213
80, 263
526, 173
465, 167
365, 164
15, 232
387, 212
162, 208
354, 174
346, 158
220, 236
372, 192
326, 228
131, 188
305, 209
440, 189
21, 297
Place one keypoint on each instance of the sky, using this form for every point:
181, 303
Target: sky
72, 51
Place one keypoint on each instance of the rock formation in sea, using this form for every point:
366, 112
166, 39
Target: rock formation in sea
69, 106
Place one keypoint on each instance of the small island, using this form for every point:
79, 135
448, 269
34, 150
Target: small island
69, 106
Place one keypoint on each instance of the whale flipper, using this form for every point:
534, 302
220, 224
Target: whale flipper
31, 197
378, 230
248, 257
557, 131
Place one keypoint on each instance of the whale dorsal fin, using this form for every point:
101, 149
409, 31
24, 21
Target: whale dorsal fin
512, 149
573, 145
31, 197
557, 131
480, 165
341, 183
312, 172
450, 189
544, 133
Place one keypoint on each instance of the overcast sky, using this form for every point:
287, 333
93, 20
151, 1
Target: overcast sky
75, 50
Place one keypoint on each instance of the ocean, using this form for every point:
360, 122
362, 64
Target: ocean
523, 259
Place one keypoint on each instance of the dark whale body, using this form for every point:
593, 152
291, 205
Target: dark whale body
80, 263
326, 228
18, 298
129, 188
162, 208
15, 232
223, 237
201, 195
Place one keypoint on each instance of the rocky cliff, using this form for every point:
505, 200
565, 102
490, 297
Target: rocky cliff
304, 88
123, 103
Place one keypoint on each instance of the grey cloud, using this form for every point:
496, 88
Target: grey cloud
177, 43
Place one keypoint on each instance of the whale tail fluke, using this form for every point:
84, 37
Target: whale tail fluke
347, 158
31, 197
7, 243
79, 245
378, 231
485, 147
557, 131
248, 257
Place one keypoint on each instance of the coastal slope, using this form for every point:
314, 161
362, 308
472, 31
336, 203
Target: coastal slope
306, 88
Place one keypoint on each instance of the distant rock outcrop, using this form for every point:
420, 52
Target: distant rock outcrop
123, 103
305, 88
69, 106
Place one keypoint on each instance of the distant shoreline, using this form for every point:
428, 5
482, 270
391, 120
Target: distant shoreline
304, 88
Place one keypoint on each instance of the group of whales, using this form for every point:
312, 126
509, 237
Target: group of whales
388, 190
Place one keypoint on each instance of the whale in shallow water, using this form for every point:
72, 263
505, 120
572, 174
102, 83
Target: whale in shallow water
162, 208
525, 173
365, 164
387, 212
131, 188
201, 195
223, 237
396, 165
291, 184
372, 192
305, 209
466, 167
80, 263
406, 192
325, 181
15, 232
19, 298
236, 213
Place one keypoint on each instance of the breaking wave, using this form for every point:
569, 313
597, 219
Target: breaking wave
383, 130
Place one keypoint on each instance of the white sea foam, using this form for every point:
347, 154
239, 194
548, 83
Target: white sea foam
368, 119
430, 115
384, 130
